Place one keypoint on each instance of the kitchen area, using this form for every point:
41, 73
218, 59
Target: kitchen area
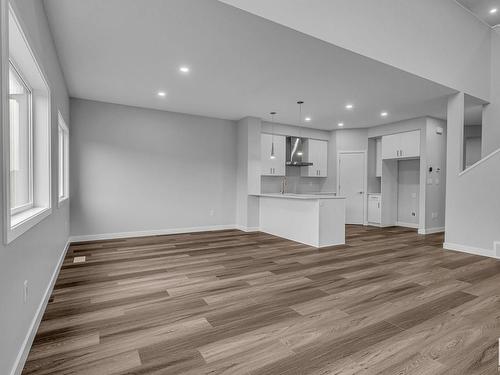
306, 184
312, 217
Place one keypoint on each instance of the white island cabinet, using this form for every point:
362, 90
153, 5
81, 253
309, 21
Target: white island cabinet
315, 220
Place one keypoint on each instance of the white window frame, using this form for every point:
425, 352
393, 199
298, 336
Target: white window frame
63, 163
16, 222
29, 205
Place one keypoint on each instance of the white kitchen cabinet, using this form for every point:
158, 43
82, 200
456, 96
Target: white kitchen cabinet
378, 157
374, 208
401, 145
316, 152
276, 166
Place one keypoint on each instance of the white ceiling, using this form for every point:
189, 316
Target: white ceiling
124, 51
481, 8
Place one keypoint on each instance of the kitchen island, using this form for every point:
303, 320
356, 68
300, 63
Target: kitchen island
313, 219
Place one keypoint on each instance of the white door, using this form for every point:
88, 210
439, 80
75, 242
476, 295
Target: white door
351, 177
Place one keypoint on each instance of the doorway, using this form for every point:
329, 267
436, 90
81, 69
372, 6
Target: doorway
351, 184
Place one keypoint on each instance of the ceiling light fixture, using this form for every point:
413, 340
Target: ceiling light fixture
272, 133
340, 124
349, 106
162, 93
184, 69
384, 114
494, 10
300, 102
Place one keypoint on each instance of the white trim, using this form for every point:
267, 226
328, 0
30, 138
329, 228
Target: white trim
146, 233
10, 231
406, 225
479, 162
247, 229
18, 366
365, 179
27, 220
469, 249
62, 127
431, 230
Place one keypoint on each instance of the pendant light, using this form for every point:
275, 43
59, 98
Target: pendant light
272, 134
299, 151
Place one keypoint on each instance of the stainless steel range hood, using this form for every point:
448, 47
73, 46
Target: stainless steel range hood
295, 152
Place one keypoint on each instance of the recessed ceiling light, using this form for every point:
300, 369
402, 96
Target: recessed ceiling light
384, 114
162, 93
349, 106
494, 10
184, 69
307, 119
340, 124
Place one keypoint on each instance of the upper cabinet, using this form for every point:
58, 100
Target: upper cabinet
401, 145
272, 166
316, 152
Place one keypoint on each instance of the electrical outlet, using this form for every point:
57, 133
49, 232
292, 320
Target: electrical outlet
25, 291
434, 215
211, 213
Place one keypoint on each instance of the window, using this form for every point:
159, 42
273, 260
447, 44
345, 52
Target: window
21, 172
26, 139
63, 141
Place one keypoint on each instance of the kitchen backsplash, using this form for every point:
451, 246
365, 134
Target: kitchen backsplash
295, 183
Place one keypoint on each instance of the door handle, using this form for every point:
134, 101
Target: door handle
361, 192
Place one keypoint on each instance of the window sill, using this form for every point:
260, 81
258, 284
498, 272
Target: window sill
23, 221
61, 202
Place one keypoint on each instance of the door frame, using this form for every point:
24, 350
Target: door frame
365, 179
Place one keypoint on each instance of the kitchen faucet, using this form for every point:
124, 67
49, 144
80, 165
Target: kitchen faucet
283, 186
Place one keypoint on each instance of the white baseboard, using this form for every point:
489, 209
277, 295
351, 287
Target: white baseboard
431, 230
406, 225
18, 366
157, 232
469, 249
247, 229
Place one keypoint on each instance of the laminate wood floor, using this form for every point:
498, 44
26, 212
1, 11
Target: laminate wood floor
228, 302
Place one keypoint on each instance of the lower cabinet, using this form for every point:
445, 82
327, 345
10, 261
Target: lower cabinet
374, 209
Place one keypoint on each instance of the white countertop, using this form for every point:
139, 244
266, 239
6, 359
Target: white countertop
300, 196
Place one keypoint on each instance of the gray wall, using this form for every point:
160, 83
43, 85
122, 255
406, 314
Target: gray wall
34, 256
435, 191
140, 170
408, 191
491, 114
472, 204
